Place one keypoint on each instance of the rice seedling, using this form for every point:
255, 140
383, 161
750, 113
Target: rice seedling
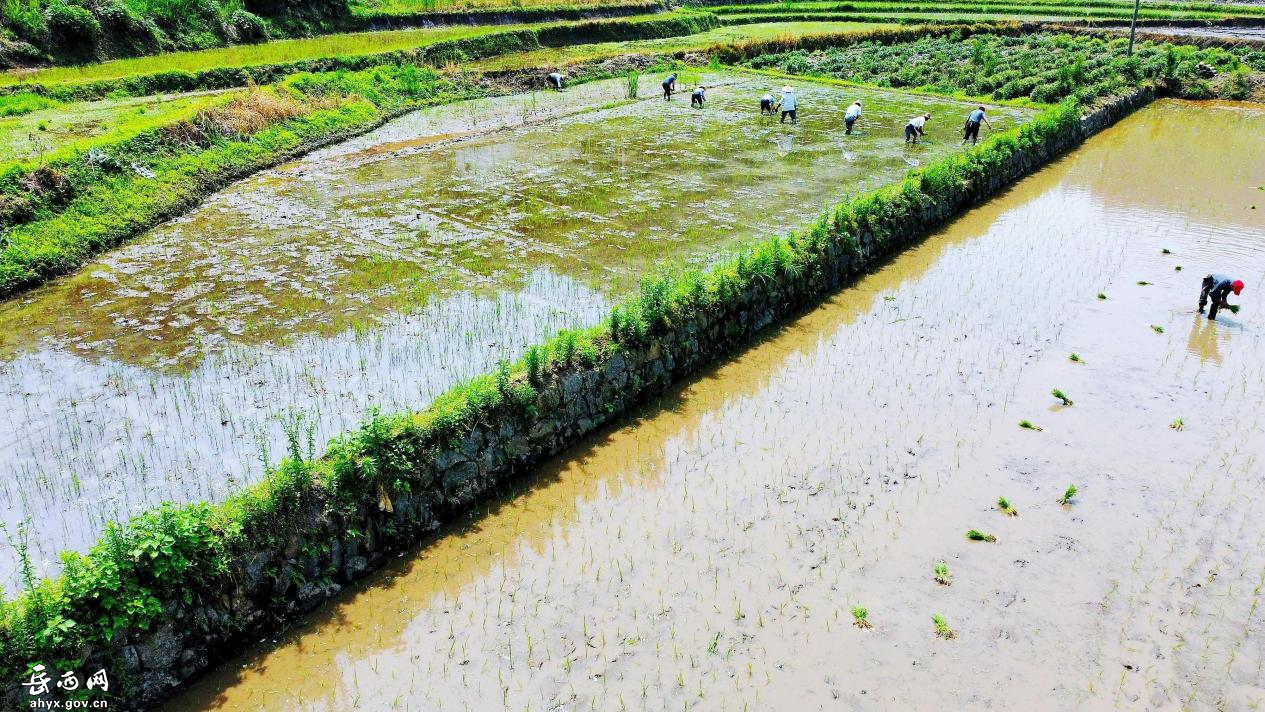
1068, 494
1177, 268
1101, 296
632, 81
1143, 283
1177, 424
1157, 328
941, 572
1028, 425
861, 617
1165, 251
977, 535
1061, 396
1234, 308
1004, 505
1074, 358
942, 627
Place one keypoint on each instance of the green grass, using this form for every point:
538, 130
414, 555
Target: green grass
351, 44
558, 56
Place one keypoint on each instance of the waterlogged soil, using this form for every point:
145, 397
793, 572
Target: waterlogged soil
707, 554
379, 272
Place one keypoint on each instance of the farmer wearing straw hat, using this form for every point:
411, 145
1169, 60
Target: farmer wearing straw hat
1217, 287
851, 115
914, 128
555, 80
971, 132
787, 105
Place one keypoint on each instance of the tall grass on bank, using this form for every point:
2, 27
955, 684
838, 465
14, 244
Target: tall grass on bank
193, 553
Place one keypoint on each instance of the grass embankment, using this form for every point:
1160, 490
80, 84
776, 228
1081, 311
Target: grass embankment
222, 69
189, 553
1044, 67
67, 207
1071, 9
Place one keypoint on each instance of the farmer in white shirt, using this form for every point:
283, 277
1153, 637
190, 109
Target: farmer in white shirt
787, 104
914, 128
555, 81
851, 115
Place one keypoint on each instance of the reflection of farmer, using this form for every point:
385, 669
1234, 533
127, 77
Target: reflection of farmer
787, 104
851, 115
669, 86
766, 104
971, 132
1203, 340
914, 128
1217, 287
698, 97
555, 81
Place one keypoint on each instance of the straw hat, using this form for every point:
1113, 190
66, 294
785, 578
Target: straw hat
786, 89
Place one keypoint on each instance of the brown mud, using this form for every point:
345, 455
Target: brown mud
707, 554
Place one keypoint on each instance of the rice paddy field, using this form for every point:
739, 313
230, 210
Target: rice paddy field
790, 530
379, 272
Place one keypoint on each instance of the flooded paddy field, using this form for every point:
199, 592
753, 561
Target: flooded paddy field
708, 553
381, 271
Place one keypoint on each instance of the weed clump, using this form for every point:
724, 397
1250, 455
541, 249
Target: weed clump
1061, 396
1068, 494
977, 535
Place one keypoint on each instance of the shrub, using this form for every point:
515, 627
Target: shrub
73, 30
246, 26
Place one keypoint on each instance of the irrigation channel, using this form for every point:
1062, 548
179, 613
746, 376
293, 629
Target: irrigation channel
707, 553
381, 271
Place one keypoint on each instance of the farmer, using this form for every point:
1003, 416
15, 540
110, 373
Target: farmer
555, 81
1217, 287
914, 128
697, 98
787, 105
851, 115
971, 133
766, 104
669, 86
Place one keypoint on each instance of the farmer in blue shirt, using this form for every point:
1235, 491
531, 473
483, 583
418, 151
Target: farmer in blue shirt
972, 126
1217, 288
669, 86
787, 104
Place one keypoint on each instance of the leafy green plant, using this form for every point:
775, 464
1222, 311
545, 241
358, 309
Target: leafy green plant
861, 617
1028, 425
1061, 396
1074, 358
1068, 494
1157, 328
1177, 424
977, 535
1004, 505
942, 576
942, 627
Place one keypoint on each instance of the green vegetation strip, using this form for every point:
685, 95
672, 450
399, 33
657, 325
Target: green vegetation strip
1072, 8
440, 53
191, 557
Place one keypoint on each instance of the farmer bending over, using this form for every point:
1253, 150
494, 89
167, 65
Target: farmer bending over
555, 81
971, 133
1217, 287
914, 128
669, 86
766, 104
697, 98
851, 115
787, 105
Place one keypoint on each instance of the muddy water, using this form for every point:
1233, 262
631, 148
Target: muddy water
380, 271
707, 555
